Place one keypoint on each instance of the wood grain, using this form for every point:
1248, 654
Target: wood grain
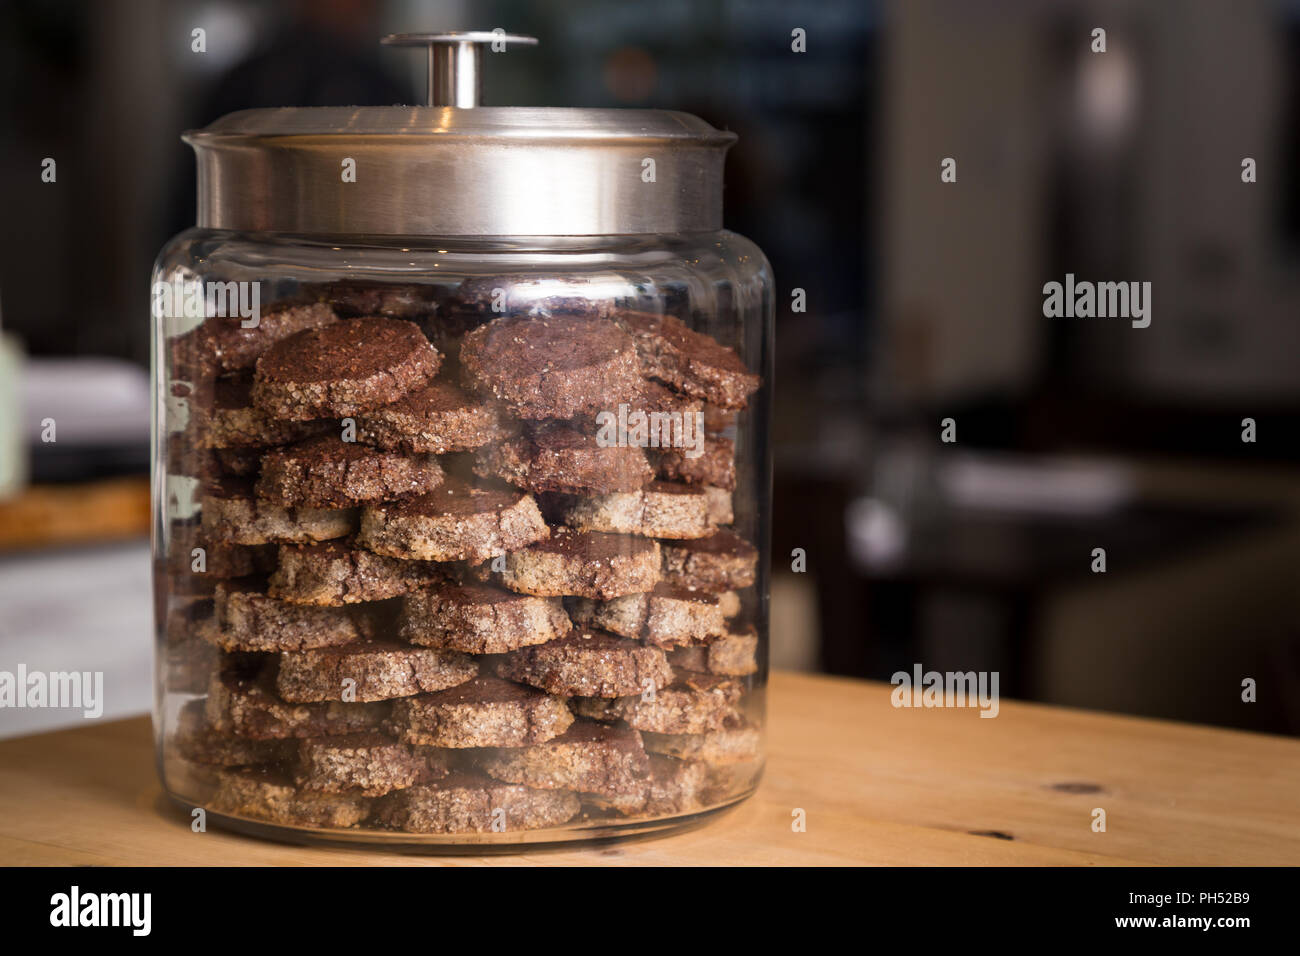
879, 785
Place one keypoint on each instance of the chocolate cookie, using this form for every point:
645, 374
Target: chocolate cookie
197, 740
715, 465
588, 663
474, 803
585, 564
737, 742
249, 619
434, 418
327, 472
733, 654
661, 509
190, 551
354, 299
369, 671
688, 360
588, 757
666, 616
541, 295
484, 712
717, 419
719, 562
369, 764
555, 367
672, 786
693, 704
245, 702
456, 522
221, 344
556, 456
344, 369
232, 513
718, 505
229, 420
480, 619
336, 572
270, 795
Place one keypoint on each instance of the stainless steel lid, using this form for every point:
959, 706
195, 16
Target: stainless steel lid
460, 170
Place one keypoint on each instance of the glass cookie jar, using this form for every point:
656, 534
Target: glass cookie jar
461, 474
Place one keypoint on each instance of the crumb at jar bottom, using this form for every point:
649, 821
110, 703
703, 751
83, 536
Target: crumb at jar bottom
441, 568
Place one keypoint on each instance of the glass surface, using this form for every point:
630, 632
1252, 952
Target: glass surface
461, 542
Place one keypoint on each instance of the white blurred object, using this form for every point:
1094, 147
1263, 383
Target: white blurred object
13, 443
876, 534
1049, 486
79, 611
93, 401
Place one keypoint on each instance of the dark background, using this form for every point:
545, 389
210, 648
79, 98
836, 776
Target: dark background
924, 298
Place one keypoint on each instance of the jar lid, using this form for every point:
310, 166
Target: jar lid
454, 168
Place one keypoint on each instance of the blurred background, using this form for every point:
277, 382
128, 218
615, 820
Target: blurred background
924, 303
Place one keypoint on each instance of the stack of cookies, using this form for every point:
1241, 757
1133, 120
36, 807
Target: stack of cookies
459, 564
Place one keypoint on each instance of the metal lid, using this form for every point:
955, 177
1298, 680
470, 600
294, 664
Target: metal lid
459, 170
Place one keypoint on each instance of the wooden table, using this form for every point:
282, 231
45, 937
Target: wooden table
879, 786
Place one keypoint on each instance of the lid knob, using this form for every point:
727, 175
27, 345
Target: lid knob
455, 61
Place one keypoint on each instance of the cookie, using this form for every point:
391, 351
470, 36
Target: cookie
733, 654
720, 562
354, 299
480, 619
666, 616
588, 757
183, 615
190, 551
671, 786
221, 344
588, 663
336, 572
540, 295
249, 619
550, 367
661, 509
689, 361
239, 462
738, 742
197, 740
556, 456
344, 369
484, 712
715, 464
585, 564
693, 704
718, 505
327, 472
456, 522
229, 420
244, 702
188, 664
369, 671
270, 795
232, 513
369, 764
717, 419
473, 803
434, 418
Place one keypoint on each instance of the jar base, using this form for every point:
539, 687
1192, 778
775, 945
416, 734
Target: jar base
588, 834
